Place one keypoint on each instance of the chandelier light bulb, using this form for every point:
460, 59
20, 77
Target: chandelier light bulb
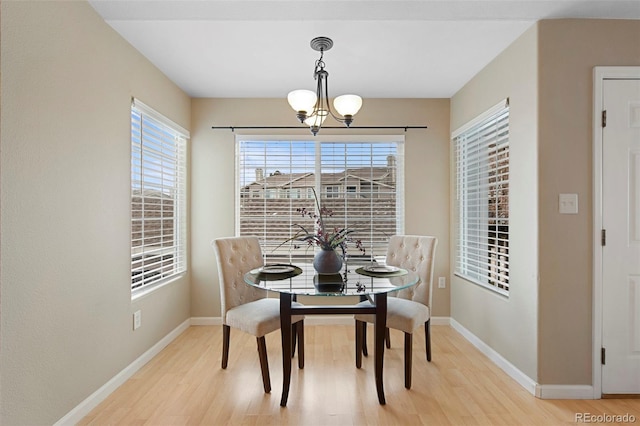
347, 105
317, 119
302, 100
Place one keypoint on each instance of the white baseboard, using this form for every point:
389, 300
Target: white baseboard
539, 391
81, 410
310, 320
206, 321
440, 321
348, 320
511, 370
314, 320
564, 391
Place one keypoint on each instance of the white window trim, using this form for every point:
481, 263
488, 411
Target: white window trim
456, 133
480, 118
400, 183
184, 134
144, 108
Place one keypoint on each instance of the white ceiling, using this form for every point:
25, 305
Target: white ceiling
382, 49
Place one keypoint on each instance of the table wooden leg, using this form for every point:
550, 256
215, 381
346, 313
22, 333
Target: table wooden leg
359, 343
380, 332
285, 331
365, 352
300, 337
294, 335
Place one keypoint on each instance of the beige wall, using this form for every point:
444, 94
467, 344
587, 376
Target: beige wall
507, 324
67, 80
213, 188
66, 311
546, 331
569, 49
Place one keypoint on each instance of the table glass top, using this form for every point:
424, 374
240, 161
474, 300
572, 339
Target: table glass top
353, 280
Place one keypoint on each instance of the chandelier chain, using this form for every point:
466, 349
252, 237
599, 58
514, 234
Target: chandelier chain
319, 65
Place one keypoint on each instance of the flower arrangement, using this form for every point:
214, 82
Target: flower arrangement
322, 236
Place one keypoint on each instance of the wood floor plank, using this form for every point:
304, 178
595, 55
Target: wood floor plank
184, 385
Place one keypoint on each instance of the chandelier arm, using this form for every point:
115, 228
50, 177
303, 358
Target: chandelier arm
319, 100
322, 95
326, 96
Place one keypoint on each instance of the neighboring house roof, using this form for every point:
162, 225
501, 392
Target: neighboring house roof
279, 180
371, 178
304, 180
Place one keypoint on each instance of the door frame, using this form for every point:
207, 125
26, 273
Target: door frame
600, 74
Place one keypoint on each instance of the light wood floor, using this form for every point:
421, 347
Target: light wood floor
184, 384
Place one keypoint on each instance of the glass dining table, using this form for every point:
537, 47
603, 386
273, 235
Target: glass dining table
373, 282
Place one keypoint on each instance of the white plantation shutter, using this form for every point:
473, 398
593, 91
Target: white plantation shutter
158, 197
361, 182
482, 195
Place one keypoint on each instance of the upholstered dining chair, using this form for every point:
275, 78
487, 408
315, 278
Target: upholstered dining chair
248, 308
412, 306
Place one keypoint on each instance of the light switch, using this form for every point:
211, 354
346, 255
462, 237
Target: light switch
568, 203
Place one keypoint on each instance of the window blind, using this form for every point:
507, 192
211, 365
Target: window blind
482, 195
158, 197
366, 178
360, 182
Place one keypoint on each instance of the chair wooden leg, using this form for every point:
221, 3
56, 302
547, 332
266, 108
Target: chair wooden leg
364, 339
264, 364
300, 333
294, 334
427, 338
408, 346
359, 332
226, 331
387, 338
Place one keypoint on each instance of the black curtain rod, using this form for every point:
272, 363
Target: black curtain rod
233, 128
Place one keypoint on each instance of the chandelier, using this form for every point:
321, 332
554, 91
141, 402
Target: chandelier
313, 108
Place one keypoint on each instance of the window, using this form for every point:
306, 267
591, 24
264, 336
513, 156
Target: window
271, 193
328, 167
332, 191
158, 198
482, 195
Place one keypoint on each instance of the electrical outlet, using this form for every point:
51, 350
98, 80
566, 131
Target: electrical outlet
442, 282
137, 319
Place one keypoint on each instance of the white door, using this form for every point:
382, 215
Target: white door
621, 252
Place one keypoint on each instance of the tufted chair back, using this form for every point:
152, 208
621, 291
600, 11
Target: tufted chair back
414, 253
237, 256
